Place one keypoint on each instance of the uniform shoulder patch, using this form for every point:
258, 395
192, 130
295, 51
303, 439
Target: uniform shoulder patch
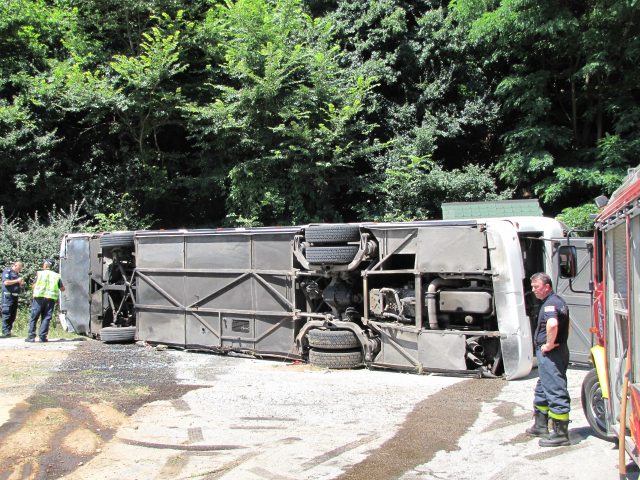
550, 308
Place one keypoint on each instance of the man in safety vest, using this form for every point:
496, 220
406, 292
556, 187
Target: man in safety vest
46, 290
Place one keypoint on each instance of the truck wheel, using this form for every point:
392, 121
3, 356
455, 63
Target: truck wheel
336, 359
332, 234
118, 334
333, 339
593, 406
342, 254
117, 239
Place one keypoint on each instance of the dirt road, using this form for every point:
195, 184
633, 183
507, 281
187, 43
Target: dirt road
86, 410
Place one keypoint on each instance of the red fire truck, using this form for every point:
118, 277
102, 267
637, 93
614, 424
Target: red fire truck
611, 391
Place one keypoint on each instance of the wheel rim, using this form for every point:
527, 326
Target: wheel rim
596, 405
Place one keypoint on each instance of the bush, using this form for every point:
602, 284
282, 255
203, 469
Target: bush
31, 240
123, 216
417, 190
578, 218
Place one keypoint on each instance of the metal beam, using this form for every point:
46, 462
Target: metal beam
273, 290
203, 322
159, 289
180, 308
213, 294
238, 271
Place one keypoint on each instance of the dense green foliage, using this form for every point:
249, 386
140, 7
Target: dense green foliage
175, 113
35, 239
567, 74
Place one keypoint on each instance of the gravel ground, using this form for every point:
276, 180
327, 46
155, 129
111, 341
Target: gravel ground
86, 410
85, 389
496, 447
264, 419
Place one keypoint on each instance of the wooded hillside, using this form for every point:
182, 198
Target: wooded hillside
189, 113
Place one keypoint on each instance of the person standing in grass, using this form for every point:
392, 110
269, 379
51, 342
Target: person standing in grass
11, 283
46, 290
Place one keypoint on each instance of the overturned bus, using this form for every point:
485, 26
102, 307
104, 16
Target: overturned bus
449, 296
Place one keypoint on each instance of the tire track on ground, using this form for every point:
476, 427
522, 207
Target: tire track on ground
435, 424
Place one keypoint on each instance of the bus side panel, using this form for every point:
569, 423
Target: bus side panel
161, 291
234, 291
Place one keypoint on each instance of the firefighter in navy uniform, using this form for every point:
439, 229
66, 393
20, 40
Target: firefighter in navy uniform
551, 394
11, 282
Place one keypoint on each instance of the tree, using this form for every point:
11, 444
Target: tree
137, 96
432, 102
34, 238
286, 125
417, 191
31, 37
569, 86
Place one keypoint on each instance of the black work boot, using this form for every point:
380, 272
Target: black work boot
541, 425
560, 435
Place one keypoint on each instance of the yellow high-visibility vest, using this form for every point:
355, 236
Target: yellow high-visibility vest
47, 285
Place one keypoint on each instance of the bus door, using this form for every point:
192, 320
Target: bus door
572, 259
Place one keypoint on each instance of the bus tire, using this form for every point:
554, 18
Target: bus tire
335, 359
332, 234
594, 407
117, 239
332, 339
332, 255
118, 334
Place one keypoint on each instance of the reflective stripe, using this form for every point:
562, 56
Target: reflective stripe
542, 409
600, 362
562, 416
47, 285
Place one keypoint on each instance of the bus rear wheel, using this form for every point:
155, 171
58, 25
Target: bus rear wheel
332, 339
118, 334
335, 359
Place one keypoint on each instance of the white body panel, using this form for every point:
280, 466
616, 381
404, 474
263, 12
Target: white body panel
513, 323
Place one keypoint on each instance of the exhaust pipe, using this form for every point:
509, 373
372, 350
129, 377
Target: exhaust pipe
474, 347
473, 359
431, 299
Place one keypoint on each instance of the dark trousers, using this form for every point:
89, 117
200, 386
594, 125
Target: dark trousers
9, 311
551, 390
41, 307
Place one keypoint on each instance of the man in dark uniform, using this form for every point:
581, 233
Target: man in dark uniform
11, 282
551, 394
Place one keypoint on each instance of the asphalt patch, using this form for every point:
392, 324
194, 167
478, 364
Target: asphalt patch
435, 424
123, 376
